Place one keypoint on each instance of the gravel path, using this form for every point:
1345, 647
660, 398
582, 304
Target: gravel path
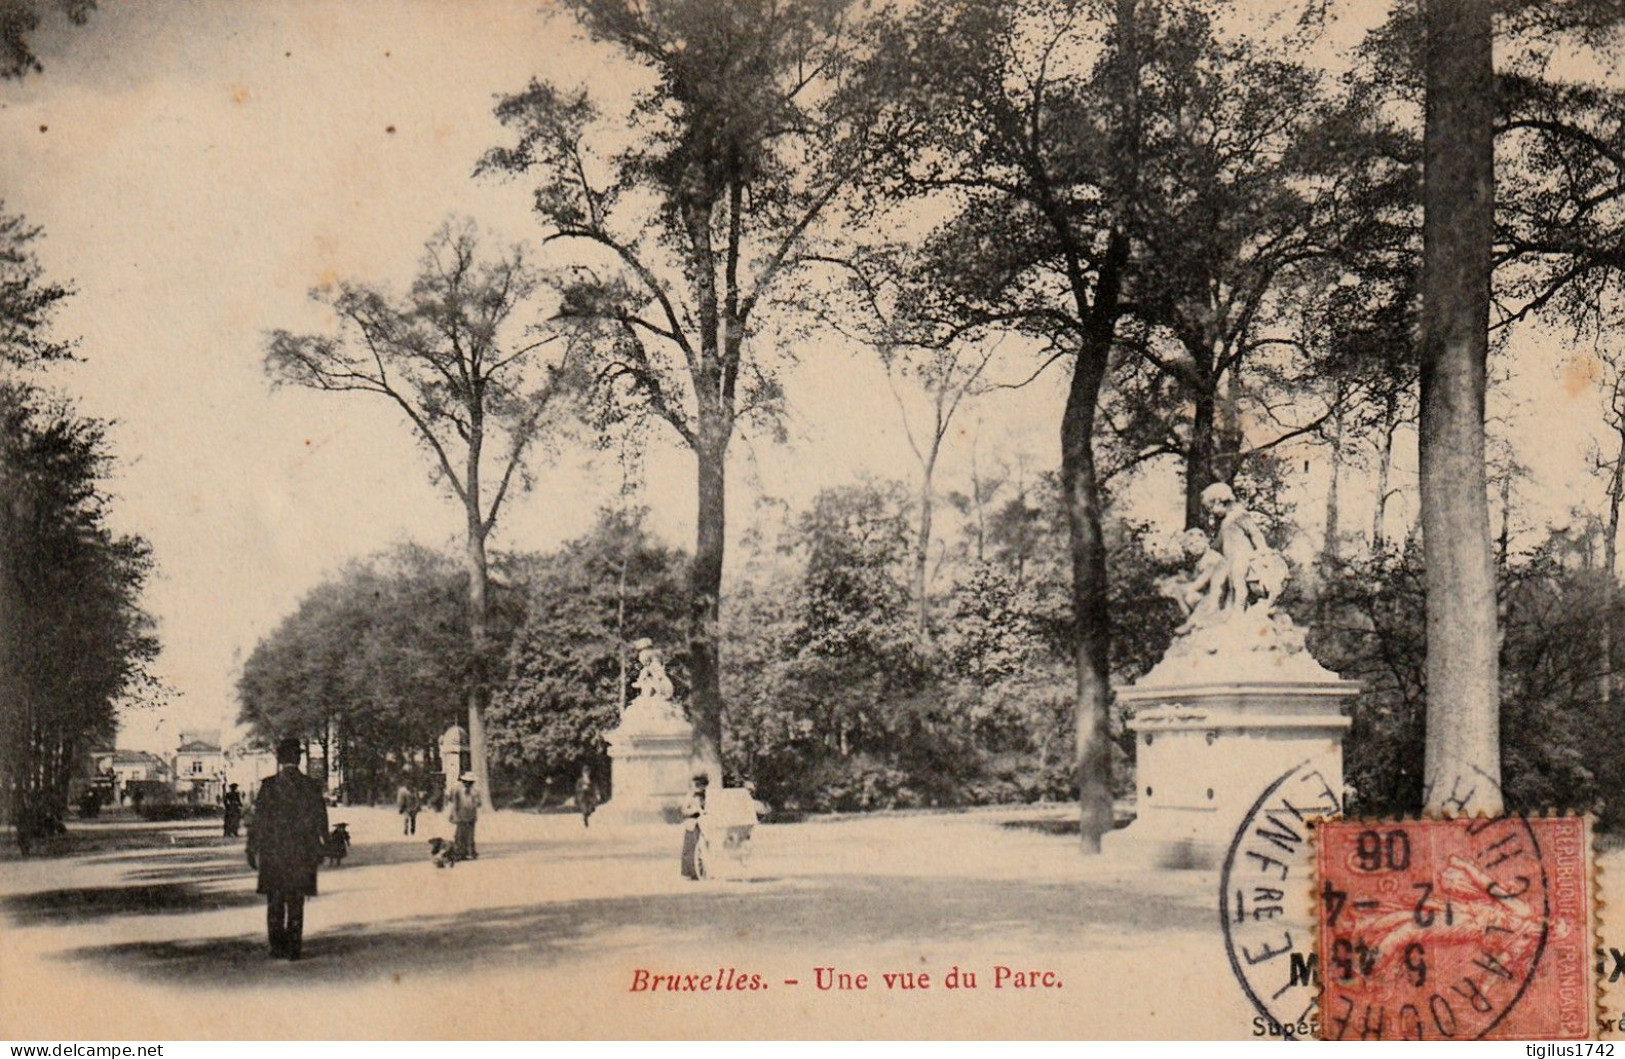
154, 932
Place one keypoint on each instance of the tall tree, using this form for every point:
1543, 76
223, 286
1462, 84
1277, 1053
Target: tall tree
1262, 181
683, 239
1608, 462
1612, 465
1034, 150
471, 380
75, 642
1463, 762
1546, 220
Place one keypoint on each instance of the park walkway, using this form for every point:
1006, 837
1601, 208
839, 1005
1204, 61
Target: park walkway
154, 932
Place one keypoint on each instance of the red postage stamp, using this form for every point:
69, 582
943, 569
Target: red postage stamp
1456, 929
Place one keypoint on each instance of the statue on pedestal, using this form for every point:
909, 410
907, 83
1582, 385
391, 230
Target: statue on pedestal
650, 751
1230, 597
654, 700
1236, 702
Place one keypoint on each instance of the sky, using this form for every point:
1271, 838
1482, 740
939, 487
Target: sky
198, 167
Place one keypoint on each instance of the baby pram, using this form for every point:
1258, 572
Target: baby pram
725, 827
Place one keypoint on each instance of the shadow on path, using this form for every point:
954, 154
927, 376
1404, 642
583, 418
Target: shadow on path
232, 869
692, 929
194, 856
114, 836
99, 902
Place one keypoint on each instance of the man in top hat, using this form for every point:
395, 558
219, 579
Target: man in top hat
286, 841
464, 812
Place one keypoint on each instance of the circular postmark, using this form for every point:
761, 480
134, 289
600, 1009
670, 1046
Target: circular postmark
1266, 905
1432, 928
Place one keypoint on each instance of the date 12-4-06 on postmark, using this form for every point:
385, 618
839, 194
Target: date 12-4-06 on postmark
1458, 929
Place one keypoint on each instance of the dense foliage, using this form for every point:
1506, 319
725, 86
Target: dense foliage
1561, 740
570, 666
74, 642
839, 704
373, 666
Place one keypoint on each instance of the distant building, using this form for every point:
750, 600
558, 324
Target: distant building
131, 765
200, 766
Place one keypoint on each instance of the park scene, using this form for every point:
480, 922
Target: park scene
785, 518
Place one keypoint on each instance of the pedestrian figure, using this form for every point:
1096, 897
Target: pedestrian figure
692, 808
409, 803
586, 796
233, 804
465, 811
286, 842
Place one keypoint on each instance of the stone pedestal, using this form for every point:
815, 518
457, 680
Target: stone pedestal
1227, 712
453, 756
650, 755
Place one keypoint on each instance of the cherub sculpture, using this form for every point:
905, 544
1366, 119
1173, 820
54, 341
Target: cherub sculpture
1254, 572
1199, 597
652, 682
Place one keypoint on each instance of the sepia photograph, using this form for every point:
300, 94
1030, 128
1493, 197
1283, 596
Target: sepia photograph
838, 519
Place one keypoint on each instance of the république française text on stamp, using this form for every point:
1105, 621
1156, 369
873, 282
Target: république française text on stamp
1457, 929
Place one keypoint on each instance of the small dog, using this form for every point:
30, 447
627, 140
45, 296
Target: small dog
443, 853
338, 844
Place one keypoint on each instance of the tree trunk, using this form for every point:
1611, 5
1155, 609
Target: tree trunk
1616, 496
1503, 542
1089, 599
1329, 550
478, 682
1610, 563
1091, 619
1463, 763
14, 704
922, 550
705, 595
1385, 464
620, 622
979, 503
1227, 431
1199, 457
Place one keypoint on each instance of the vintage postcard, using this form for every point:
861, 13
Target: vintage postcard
898, 519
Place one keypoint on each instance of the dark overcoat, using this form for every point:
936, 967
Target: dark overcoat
289, 833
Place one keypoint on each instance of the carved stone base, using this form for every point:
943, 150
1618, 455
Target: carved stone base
1206, 751
650, 759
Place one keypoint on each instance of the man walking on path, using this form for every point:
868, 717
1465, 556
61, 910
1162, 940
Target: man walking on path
465, 810
286, 841
586, 796
408, 802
